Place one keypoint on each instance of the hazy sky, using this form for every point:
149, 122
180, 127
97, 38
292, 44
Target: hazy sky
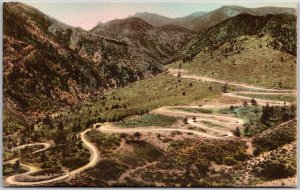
87, 14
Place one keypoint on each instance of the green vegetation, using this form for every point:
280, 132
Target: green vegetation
268, 68
281, 163
145, 95
146, 151
107, 169
275, 137
271, 169
195, 110
260, 118
104, 141
142, 154
12, 169
149, 120
286, 98
209, 150
193, 161
20, 152
260, 75
106, 80
245, 112
135, 99
71, 155
261, 49
211, 124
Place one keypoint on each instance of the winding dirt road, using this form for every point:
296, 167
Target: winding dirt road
45, 144
194, 119
11, 180
247, 86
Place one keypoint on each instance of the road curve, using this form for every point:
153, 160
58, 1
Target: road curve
45, 144
11, 180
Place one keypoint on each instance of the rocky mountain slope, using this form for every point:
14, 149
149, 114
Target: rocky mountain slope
48, 64
159, 20
160, 42
257, 50
281, 28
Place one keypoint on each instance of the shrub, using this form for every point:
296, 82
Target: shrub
228, 160
274, 170
107, 169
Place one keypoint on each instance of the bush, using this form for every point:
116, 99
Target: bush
107, 169
275, 170
104, 141
75, 162
229, 161
274, 138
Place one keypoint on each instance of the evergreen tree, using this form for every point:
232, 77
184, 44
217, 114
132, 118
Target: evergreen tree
266, 114
253, 102
17, 165
237, 132
225, 88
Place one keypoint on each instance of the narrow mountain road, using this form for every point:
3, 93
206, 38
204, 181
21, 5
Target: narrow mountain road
247, 86
11, 180
197, 120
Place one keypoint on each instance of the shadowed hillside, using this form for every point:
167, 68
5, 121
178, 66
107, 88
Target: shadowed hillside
48, 63
162, 43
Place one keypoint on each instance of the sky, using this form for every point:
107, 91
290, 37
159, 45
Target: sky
86, 14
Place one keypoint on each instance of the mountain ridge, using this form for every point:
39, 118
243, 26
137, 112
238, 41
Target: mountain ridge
161, 42
211, 18
274, 25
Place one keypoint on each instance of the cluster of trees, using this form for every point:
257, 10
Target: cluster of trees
188, 58
284, 113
